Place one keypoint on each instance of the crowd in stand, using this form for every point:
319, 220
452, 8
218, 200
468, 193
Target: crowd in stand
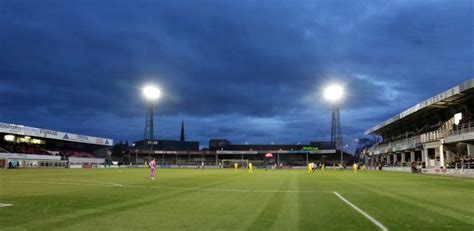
457, 162
462, 162
76, 153
24, 148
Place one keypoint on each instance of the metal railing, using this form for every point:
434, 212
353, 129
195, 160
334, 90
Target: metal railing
462, 166
399, 145
462, 129
433, 136
442, 132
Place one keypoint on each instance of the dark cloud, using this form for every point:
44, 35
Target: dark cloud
250, 71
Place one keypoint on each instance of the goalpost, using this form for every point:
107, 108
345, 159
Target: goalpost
229, 163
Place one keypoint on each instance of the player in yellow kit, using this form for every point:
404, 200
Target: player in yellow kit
250, 168
310, 167
364, 167
236, 167
354, 167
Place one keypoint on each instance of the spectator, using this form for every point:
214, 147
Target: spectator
413, 167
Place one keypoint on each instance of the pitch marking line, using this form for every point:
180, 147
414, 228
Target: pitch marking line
230, 190
107, 184
382, 227
5, 205
92, 181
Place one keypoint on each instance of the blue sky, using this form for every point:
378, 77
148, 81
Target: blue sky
248, 71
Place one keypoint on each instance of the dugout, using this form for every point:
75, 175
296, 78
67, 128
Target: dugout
16, 160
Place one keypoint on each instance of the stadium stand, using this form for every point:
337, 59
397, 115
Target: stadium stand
437, 133
34, 147
76, 153
221, 152
182, 153
27, 149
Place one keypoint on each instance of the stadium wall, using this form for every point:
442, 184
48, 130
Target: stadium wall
436, 171
450, 172
77, 160
397, 169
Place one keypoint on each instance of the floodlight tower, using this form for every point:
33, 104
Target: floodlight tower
334, 94
151, 94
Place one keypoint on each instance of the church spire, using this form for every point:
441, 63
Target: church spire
182, 132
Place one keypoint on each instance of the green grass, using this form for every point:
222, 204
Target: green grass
191, 199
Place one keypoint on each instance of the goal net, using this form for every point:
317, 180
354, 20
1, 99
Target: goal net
230, 163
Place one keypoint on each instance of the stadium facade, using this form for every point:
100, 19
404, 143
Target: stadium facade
182, 153
30, 147
222, 150
437, 133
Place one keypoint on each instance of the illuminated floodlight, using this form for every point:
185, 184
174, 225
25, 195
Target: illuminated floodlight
334, 93
151, 92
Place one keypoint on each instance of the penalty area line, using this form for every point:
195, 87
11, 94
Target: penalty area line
382, 227
5, 205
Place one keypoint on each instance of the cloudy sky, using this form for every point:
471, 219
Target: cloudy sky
249, 71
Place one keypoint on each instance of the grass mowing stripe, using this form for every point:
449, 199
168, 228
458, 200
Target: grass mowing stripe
101, 210
440, 206
86, 214
431, 207
267, 213
289, 218
382, 227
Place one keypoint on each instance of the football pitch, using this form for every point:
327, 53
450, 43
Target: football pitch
221, 199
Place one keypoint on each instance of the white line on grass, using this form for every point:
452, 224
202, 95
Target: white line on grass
382, 227
231, 190
105, 184
92, 181
5, 205
102, 184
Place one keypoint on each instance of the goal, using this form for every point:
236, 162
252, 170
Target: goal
229, 163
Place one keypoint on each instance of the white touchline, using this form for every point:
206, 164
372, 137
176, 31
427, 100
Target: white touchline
382, 227
5, 205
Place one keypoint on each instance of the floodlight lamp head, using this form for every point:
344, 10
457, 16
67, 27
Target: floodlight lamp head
151, 92
334, 93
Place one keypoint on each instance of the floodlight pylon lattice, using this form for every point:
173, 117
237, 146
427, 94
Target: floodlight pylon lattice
336, 131
149, 129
